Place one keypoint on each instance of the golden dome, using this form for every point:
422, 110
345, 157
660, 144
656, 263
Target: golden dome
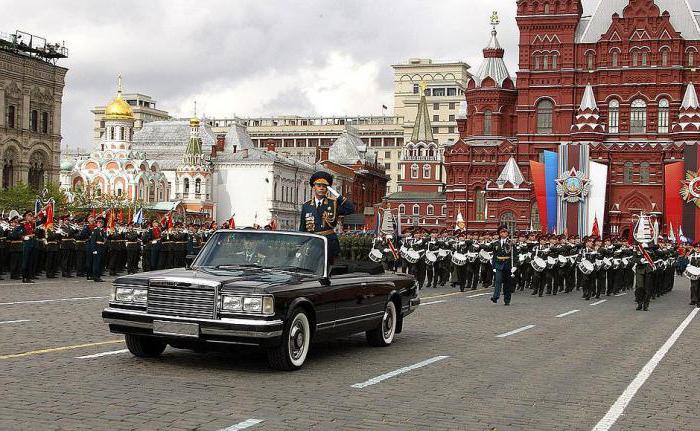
194, 122
118, 109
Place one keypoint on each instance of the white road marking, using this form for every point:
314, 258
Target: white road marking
434, 302
479, 294
15, 321
375, 380
524, 328
567, 313
616, 410
621, 294
599, 302
45, 301
243, 425
97, 355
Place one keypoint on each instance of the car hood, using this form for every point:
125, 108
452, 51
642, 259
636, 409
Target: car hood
238, 278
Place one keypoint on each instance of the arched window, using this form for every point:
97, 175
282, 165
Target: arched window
416, 209
546, 8
402, 209
9, 160
545, 62
426, 171
414, 171
635, 58
644, 173
535, 217
555, 60
536, 61
663, 115
614, 116
487, 123
544, 116
627, 173
111, 133
645, 58
37, 167
198, 186
34, 120
152, 192
44, 122
508, 219
443, 211
615, 58
664, 57
11, 116
480, 205
121, 133
186, 186
590, 61
638, 116
431, 210
691, 58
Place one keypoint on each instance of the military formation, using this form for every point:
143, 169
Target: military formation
541, 264
87, 248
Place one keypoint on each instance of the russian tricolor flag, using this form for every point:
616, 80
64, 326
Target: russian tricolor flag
544, 177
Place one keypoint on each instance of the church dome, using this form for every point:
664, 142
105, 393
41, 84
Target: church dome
67, 165
118, 109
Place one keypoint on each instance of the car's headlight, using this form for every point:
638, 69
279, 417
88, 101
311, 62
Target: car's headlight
249, 304
231, 303
130, 295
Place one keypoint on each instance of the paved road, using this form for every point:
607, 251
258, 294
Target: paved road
459, 364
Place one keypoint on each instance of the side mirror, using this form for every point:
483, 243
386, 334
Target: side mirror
325, 281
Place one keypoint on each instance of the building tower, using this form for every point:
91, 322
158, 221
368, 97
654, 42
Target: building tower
420, 166
193, 176
119, 125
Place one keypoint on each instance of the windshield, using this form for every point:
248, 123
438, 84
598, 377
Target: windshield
240, 249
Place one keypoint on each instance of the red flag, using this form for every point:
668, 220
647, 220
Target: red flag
646, 256
170, 220
232, 222
49, 215
120, 216
92, 214
393, 249
596, 230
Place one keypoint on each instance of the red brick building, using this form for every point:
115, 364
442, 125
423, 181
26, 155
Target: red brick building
610, 85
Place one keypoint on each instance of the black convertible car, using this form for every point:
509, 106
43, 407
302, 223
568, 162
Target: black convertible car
262, 288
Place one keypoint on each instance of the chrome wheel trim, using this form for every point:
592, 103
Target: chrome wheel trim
298, 340
389, 322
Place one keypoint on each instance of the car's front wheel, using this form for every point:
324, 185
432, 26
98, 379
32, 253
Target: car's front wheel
296, 338
383, 335
144, 347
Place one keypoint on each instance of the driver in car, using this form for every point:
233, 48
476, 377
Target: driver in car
250, 254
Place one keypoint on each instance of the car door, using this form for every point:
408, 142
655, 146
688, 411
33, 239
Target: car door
352, 302
377, 291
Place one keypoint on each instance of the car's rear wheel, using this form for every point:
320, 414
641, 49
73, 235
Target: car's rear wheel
383, 335
144, 347
296, 339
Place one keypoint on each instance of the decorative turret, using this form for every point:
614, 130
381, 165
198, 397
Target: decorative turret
119, 123
493, 71
511, 174
193, 152
588, 126
689, 117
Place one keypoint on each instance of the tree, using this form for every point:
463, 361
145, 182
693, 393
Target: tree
20, 197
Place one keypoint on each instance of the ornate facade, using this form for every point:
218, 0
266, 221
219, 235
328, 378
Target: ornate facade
115, 168
612, 85
31, 93
193, 185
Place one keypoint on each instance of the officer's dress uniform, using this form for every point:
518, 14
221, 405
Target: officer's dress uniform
67, 250
503, 256
133, 247
96, 245
83, 257
321, 217
644, 275
52, 252
28, 250
459, 272
15, 240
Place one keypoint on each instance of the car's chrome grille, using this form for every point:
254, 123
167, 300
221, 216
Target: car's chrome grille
181, 299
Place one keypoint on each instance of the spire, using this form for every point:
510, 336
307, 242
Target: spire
511, 174
690, 99
588, 115
119, 85
493, 66
422, 129
588, 102
193, 152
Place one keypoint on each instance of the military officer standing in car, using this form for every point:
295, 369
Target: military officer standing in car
322, 212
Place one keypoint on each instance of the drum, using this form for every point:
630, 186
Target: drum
616, 263
585, 266
472, 256
412, 256
430, 257
562, 260
402, 251
376, 255
551, 261
692, 272
538, 264
485, 256
625, 262
459, 259
443, 253
607, 263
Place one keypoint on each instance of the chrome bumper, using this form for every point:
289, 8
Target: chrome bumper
232, 330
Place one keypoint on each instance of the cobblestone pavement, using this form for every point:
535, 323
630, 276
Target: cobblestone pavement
563, 373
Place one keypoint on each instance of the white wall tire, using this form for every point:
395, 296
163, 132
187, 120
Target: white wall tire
383, 335
296, 340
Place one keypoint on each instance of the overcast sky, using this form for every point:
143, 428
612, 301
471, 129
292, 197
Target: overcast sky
254, 57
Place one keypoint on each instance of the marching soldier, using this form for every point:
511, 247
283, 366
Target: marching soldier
15, 240
52, 258
132, 245
459, 272
694, 259
154, 237
502, 263
66, 247
114, 245
644, 273
27, 233
473, 264
82, 251
321, 213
